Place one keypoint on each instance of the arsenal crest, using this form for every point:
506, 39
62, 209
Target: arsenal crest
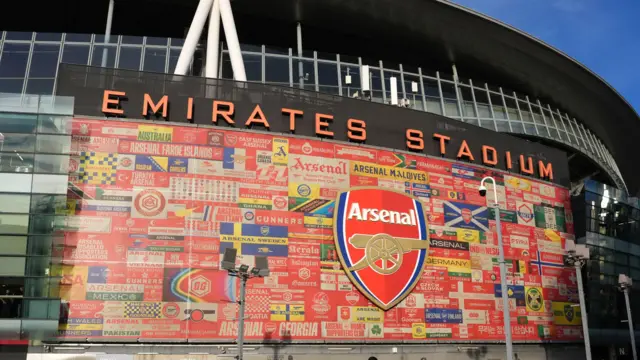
382, 241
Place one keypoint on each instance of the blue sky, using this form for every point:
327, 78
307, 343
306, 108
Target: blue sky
604, 35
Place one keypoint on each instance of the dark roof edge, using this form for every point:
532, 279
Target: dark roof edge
542, 43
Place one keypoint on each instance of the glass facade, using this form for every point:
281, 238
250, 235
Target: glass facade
608, 222
34, 160
28, 65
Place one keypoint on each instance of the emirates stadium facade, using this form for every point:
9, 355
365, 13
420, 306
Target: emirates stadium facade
129, 163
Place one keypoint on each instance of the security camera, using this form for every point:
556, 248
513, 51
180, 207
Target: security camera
482, 190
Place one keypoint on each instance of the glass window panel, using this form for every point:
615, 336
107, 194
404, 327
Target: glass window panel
530, 128
17, 123
54, 124
38, 266
50, 184
468, 109
13, 62
13, 224
136, 40
498, 108
471, 121
52, 164
43, 244
431, 88
19, 35
77, 37
227, 71
173, 59
42, 286
16, 162
40, 86
448, 91
328, 78
524, 110
503, 126
14, 203
375, 84
17, 142
516, 127
253, 67
11, 85
48, 204
277, 70
176, 42
58, 144
451, 107
308, 74
99, 39
44, 60
511, 108
12, 266
251, 48
156, 41
13, 245
282, 51
354, 72
537, 116
48, 36
434, 105
488, 124
36, 309
484, 111
129, 58
16, 183
154, 59
96, 60
75, 54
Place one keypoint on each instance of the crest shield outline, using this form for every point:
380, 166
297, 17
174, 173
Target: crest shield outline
384, 261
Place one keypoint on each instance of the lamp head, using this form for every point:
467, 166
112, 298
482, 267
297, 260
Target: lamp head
482, 190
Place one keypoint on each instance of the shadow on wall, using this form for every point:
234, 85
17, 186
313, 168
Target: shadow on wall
277, 345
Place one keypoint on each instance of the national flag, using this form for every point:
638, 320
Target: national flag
538, 264
466, 216
98, 168
550, 217
286, 312
239, 159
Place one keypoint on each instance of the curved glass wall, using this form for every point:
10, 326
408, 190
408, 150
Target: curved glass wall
28, 65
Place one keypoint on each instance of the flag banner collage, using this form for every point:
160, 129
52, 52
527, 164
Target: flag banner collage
151, 208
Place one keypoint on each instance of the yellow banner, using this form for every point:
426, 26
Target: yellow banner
309, 191
534, 299
468, 235
565, 313
318, 222
155, 133
388, 172
460, 266
280, 148
418, 330
254, 239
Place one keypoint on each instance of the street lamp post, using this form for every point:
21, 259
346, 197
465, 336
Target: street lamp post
577, 256
503, 270
626, 283
261, 269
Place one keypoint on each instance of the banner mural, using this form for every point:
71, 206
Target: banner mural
151, 208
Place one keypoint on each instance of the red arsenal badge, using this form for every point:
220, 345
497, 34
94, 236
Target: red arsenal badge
382, 240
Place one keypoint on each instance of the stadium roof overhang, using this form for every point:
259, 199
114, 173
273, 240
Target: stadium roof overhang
408, 31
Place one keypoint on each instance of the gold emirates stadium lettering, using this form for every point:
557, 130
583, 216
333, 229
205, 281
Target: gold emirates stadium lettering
356, 131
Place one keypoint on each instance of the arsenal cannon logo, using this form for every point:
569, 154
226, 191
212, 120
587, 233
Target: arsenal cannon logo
382, 241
